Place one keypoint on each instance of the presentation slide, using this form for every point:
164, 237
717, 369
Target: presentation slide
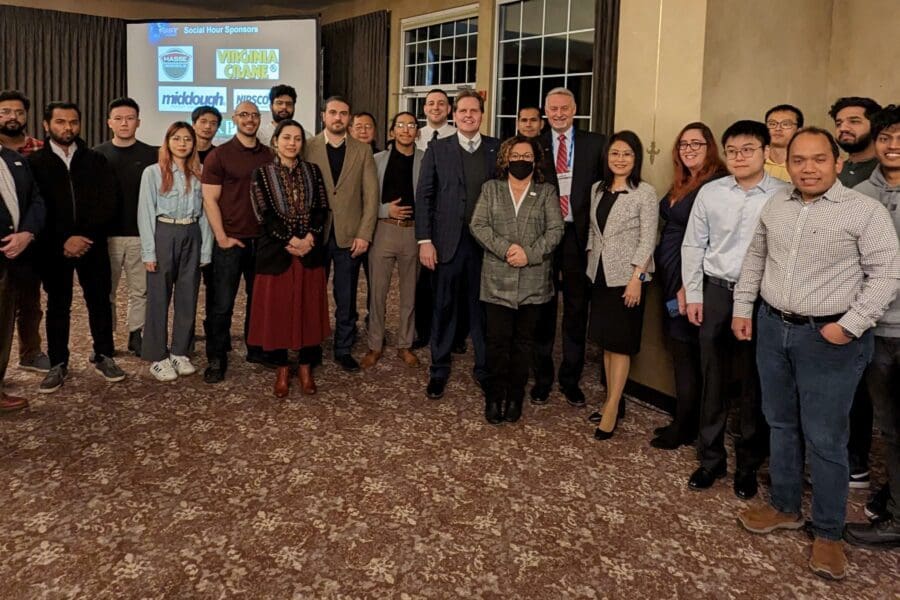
174, 67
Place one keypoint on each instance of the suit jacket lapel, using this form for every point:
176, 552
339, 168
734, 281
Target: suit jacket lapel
319, 154
350, 157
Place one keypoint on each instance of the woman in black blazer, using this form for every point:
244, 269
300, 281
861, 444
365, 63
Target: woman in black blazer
290, 306
695, 157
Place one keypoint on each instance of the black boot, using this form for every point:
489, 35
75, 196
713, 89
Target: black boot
513, 410
885, 534
135, 342
493, 412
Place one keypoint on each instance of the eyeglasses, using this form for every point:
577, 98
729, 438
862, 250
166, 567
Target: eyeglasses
181, 138
617, 154
682, 146
363, 127
128, 119
786, 124
247, 115
527, 156
409, 126
5, 112
746, 152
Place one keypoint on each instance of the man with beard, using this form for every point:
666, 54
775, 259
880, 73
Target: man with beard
226, 178
206, 121
351, 180
282, 100
853, 130
128, 157
14, 107
79, 191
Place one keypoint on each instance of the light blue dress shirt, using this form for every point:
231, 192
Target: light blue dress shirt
177, 203
720, 229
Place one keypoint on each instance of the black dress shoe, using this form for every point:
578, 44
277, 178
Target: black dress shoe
419, 343
601, 435
492, 412
574, 396
662, 430
259, 357
435, 389
878, 536
459, 348
671, 440
597, 416
215, 372
745, 484
703, 478
347, 363
540, 394
512, 410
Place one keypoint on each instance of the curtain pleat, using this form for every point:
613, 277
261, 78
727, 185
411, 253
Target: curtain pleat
606, 53
51, 55
356, 55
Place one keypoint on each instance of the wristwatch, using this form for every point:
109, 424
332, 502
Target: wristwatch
642, 277
847, 332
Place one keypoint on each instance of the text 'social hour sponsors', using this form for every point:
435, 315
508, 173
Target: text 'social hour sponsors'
247, 63
176, 98
258, 97
176, 63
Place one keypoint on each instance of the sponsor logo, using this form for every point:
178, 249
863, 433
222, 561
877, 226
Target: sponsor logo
258, 97
176, 63
173, 98
160, 31
247, 63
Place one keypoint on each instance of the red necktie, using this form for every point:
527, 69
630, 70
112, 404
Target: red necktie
562, 166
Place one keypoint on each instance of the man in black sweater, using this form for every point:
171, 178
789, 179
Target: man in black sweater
78, 188
128, 157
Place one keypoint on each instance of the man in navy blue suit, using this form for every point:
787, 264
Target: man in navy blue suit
21, 218
453, 171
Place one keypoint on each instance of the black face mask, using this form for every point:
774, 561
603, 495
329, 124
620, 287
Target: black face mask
521, 169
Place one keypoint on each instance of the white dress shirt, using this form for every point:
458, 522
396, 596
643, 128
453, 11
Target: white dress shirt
426, 134
63, 153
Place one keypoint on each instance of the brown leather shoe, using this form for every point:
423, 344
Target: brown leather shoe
12, 403
765, 519
369, 360
827, 559
406, 355
282, 382
307, 383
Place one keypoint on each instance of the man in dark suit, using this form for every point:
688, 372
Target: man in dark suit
453, 171
572, 164
21, 218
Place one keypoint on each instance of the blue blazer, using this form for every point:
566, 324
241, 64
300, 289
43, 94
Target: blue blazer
31, 206
441, 193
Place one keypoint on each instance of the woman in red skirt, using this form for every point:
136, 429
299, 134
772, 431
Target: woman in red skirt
290, 307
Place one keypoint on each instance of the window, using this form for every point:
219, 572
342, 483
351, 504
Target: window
543, 44
437, 55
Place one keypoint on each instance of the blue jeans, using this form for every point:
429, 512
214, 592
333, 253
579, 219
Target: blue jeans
807, 389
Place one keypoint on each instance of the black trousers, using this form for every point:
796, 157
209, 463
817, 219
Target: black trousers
94, 276
229, 266
720, 355
509, 337
688, 387
570, 264
861, 421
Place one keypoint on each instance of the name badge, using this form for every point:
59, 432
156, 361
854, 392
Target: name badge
565, 183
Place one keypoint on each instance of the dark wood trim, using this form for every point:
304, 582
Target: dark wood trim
606, 53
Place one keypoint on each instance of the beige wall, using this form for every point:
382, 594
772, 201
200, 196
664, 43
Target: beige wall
863, 49
132, 9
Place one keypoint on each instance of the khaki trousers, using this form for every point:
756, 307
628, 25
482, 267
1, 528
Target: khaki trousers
125, 254
393, 245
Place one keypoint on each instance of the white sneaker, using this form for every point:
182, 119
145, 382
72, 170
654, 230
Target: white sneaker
183, 365
163, 370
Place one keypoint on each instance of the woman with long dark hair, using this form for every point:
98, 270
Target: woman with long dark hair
175, 241
695, 158
290, 307
620, 259
517, 221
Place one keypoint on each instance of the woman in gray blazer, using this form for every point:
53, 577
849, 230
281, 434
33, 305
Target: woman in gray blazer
620, 259
518, 222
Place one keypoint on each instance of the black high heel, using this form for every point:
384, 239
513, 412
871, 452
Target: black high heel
601, 435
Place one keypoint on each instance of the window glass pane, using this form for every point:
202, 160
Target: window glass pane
421, 53
459, 47
530, 92
447, 49
583, 123
410, 77
510, 15
410, 36
509, 97
532, 17
447, 29
434, 50
582, 15
459, 72
462, 26
556, 16
507, 127
531, 56
473, 46
423, 76
434, 32
554, 55
446, 73
581, 52
548, 83
510, 58
411, 54
473, 25
470, 71
581, 87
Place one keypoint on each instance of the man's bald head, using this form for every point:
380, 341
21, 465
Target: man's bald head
246, 118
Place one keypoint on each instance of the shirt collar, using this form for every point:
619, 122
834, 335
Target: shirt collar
568, 133
61, 150
765, 185
833, 194
337, 144
464, 141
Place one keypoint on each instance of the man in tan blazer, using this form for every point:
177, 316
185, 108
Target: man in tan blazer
352, 184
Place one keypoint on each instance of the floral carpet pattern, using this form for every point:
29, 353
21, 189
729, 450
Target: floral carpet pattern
368, 490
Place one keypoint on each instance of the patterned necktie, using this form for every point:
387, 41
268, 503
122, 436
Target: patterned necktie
471, 146
562, 166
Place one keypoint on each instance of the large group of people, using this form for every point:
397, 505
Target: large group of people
776, 258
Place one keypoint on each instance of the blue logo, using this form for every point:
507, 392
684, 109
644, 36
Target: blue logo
159, 31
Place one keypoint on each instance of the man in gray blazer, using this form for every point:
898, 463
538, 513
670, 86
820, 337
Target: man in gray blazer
350, 179
453, 172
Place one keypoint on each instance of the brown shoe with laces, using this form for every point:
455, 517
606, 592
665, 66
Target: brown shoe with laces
12, 403
369, 360
406, 355
828, 559
766, 519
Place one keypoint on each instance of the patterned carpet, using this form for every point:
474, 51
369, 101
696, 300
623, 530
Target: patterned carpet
367, 490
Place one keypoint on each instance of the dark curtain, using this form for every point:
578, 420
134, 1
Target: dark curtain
51, 55
355, 64
606, 52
